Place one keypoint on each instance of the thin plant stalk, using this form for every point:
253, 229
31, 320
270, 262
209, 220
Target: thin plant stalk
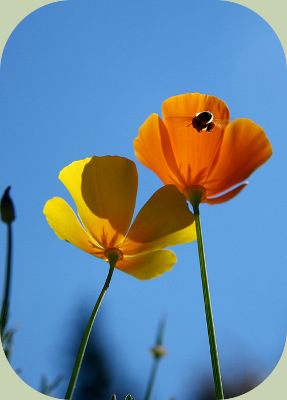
5, 304
208, 310
158, 352
113, 258
152, 378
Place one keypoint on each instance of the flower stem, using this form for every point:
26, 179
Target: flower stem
208, 310
113, 258
5, 305
158, 352
152, 378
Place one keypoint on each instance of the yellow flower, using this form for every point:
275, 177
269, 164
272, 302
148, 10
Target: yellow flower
104, 190
196, 148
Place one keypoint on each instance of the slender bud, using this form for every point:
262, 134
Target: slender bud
7, 207
158, 351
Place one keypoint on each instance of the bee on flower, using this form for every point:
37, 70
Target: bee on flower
197, 148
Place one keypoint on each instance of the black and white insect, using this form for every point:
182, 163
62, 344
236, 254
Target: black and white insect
204, 121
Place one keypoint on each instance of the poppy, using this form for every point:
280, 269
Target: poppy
197, 147
104, 190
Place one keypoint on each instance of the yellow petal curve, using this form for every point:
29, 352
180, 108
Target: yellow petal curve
165, 220
66, 225
104, 190
148, 266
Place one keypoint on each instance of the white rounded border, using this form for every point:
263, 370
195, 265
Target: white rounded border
12, 12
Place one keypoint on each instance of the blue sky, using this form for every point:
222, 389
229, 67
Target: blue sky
78, 79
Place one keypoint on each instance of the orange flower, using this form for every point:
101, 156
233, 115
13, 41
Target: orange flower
104, 190
197, 146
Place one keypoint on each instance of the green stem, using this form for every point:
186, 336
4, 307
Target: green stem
158, 352
208, 310
152, 378
5, 305
78, 363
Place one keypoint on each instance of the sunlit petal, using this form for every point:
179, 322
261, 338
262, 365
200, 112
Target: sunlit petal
104, 190
148, 266
66, 225
245, 147
153, 149
165, 220
227, 196
194, 151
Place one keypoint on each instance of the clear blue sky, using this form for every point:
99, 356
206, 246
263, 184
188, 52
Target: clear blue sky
77, 79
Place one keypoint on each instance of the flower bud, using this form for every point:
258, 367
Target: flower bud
129, 397
158, 351
7, 207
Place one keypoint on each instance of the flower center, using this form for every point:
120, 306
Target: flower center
113, 253
194, 194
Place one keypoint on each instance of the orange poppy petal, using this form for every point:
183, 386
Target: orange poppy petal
104, 190
165, 220
148, 266
66, 225
153, 149
245, 147
227, 196
194, 151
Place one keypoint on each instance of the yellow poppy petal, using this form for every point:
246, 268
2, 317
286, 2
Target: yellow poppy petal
104, 190
195, 151
148, 266
165, 220
66, 225
227, 196
153, 149
245, 147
